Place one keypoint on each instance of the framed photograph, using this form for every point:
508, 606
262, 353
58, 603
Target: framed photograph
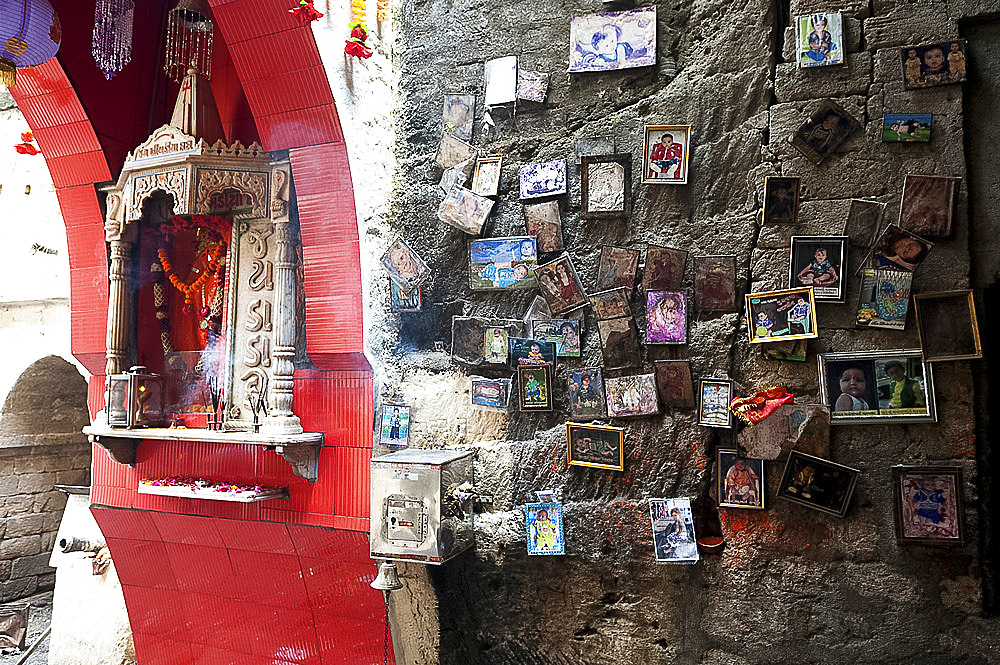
740, 480
673, 531
673, 382
928, 206
459, 112
877, 387
610, 304
825, 131
714, 397
465, 210
631, 396
404, 266
490, 394
586, 394
612, 40
884, 299
664, 269
544, 524
619, 343
931, 65
617, 268
665, 154
818, 261
400, 302
564, 333
947, 326
500, 75
781, 315
534, 387
532, 86
542, 221
666, 317
495, 345
864, 220
544, 179
503, 263
715, 283
453, 151
818, 483
524, 351
597, 446
820, 40
486, 179
394, 430
898, 248
928, 503
560, 285
781, 200
906, 127
606, 186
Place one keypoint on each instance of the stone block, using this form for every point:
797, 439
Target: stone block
25, 525
47, 581
35, 483
73, 477
12, 548
37, 463
30, 566
20, 588
903, 26
858, 8
792, 83
8, 485
48, 501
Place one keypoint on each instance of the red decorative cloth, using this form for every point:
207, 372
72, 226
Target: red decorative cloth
760, 404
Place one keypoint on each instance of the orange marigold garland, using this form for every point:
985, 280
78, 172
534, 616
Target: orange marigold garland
213, 256
356, 44
382, 8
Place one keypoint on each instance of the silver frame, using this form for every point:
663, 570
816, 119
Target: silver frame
930, 395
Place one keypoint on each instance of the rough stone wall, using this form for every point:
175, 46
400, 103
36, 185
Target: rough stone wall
41, 445
793, 585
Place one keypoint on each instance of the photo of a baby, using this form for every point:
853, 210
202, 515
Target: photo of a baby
820, 40
816, 261
931, 65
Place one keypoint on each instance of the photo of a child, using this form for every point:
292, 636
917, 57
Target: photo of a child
667, 149
877, 386
819, 40
934, 64
817, 261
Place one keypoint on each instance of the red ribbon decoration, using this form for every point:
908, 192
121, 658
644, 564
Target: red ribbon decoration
757, 406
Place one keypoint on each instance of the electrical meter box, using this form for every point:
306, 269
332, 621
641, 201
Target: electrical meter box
420, 505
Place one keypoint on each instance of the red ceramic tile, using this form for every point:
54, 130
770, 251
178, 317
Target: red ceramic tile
211, 655
159, 613
216, 622
187, 530
142, 563
281, 582
282, 634
206, 570
255, 536
153, 650
348, 642
342, 589
130, 524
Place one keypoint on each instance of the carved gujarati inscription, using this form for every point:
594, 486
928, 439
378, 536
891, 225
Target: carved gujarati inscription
252, 315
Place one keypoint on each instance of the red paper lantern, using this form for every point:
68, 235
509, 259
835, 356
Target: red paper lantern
29, 35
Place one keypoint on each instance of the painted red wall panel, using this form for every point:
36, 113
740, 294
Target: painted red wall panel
353, 482
336, 403
310, 83
246, 19
95, 394
88, 248
298, 127
78, 169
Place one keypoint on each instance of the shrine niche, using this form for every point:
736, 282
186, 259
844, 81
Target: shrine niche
202, 292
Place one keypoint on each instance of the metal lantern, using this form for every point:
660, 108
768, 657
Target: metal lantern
189, 39
29, 35
135, 399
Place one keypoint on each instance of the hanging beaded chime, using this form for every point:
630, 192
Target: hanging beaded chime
189, 39
112, 40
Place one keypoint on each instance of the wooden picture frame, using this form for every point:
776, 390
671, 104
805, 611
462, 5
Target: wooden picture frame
595, 446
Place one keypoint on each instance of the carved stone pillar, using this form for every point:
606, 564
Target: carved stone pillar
121, 248
280, 418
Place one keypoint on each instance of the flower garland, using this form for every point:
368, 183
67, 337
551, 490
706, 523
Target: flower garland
356, 44
381, 9
195, 484
306, 11
213, 256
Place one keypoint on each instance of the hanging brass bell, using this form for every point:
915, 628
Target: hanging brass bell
387, 578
